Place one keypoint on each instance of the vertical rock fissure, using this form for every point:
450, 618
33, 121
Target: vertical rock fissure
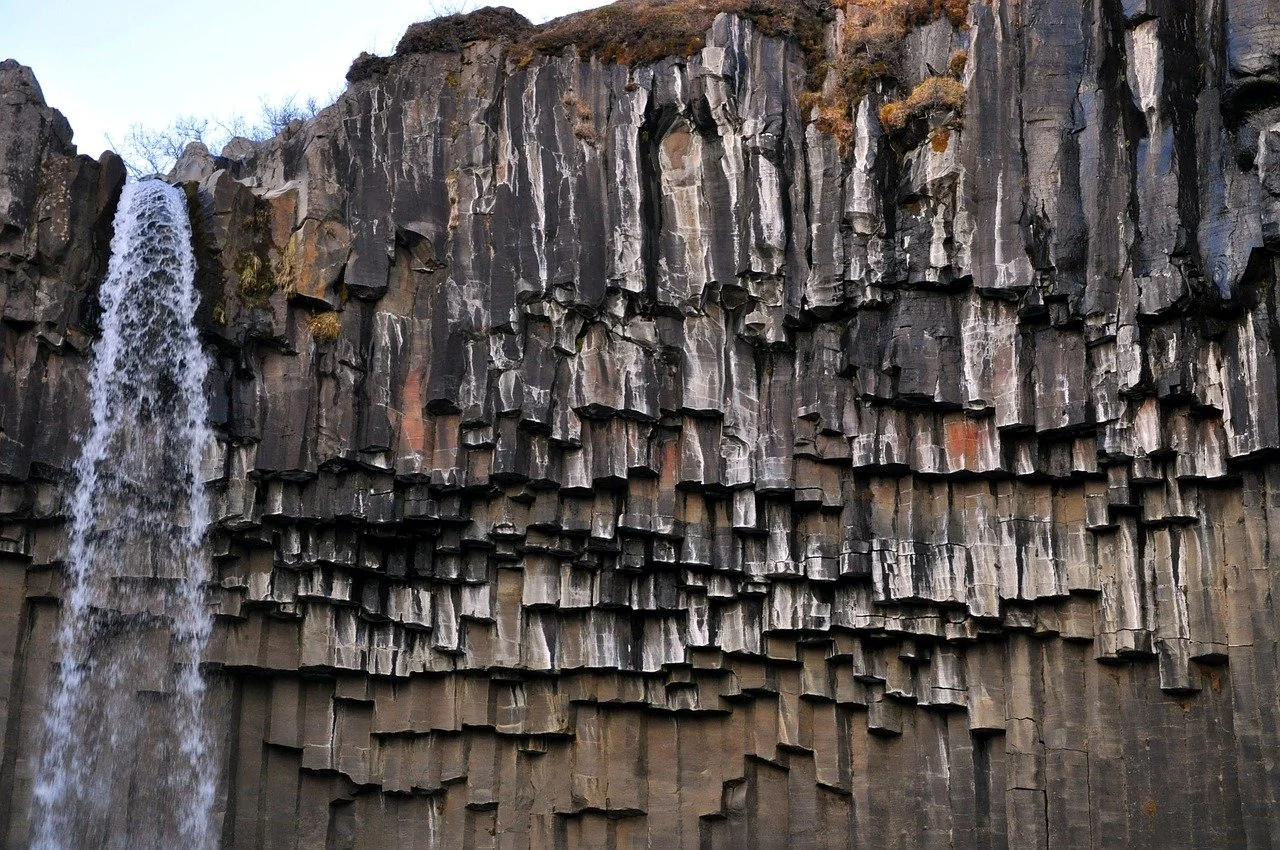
127, 759
656, 123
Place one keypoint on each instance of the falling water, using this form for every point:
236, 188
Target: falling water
127, 759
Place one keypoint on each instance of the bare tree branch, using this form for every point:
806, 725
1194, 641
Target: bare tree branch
441, 8
149, 150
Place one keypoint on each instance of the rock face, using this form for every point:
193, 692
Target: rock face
608, 457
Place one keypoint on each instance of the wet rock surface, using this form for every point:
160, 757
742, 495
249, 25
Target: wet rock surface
608, 457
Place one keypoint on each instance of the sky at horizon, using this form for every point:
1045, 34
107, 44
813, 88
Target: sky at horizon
109, 66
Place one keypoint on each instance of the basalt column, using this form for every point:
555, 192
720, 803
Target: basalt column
711, 425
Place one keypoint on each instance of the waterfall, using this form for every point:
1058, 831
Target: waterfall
127, 760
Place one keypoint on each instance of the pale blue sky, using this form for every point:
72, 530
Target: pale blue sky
109, 65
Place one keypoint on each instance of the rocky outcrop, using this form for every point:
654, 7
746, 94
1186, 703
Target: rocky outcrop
55, 226
609, 457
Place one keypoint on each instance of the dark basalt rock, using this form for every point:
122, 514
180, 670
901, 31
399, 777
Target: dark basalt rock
608, 457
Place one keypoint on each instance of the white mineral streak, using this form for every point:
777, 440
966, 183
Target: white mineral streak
721, 96
680, 157
862, 209
1145, 66
537, 180
627, 255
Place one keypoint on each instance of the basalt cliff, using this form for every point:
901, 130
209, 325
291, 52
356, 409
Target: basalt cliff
766, 444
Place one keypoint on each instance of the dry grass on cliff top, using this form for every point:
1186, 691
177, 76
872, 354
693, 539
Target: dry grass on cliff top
637, 32
872, 36
451, 32
874, 31
628, 32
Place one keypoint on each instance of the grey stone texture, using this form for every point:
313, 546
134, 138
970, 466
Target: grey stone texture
606, 459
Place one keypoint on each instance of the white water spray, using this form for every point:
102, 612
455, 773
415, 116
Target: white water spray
128, 760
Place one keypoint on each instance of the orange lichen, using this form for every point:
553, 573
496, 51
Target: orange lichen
963, 437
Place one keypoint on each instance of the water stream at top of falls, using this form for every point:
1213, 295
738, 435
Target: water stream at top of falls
128, 759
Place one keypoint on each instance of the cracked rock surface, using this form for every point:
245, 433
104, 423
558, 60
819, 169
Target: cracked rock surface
607, 457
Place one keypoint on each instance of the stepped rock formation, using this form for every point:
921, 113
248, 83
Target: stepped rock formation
608, 456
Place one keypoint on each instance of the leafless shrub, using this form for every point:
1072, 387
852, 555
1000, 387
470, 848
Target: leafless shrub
152, 150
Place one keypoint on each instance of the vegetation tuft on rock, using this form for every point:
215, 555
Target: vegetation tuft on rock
325, 327
933, 93
256, 281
